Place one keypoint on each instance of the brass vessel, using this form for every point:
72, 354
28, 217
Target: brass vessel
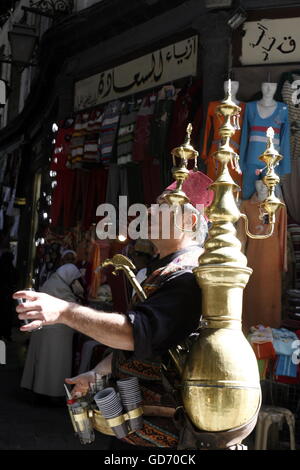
220, 378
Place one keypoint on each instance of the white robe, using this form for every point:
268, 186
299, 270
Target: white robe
49, 356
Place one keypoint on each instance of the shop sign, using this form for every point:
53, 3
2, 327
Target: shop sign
271, 41
164, 65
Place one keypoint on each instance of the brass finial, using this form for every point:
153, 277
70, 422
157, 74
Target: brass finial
188, 134
269, 206
180, 173
270, 156
186, 151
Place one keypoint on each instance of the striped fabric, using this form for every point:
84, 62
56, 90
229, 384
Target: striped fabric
91, 155
125, 138
108, 131
77, 141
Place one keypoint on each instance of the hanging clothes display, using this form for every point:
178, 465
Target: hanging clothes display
188, 102
254, 140
108, 131
141, 142
61, 207
267, 258
91, 152
124, 180
290, 183
212, 140
75, 156
160, 129
125, 138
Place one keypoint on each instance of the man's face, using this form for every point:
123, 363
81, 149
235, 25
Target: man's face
161, 221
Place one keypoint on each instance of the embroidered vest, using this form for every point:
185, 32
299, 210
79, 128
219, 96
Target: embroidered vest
157, 431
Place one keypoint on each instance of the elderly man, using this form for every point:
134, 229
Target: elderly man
141, 336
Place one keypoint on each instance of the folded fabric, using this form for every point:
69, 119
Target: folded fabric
261, 340
282, 341
288, 380
261, 334
285, 366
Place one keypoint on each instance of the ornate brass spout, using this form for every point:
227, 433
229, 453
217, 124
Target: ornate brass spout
220, 378
122, 263
270, 205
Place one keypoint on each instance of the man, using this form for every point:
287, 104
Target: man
142, 335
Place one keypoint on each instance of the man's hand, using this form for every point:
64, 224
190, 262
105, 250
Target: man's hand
43, 309
110, 329
82, 383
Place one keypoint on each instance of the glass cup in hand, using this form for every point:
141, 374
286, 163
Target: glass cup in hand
23, 301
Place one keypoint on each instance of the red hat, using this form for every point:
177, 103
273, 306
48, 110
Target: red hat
196, 188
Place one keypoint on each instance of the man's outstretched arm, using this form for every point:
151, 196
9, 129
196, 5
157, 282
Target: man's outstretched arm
111, 329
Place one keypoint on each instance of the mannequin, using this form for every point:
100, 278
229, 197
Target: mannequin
234, 89
267, 105
213, 124
267, 258
259, 115
261, 190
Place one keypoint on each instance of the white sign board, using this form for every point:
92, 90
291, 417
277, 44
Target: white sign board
271, 41
164, 65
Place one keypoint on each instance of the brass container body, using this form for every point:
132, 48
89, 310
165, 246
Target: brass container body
220, 381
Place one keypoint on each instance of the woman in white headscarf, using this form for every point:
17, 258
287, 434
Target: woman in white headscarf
49, 356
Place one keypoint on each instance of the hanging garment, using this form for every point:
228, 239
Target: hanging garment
124, 180
160, 126
185, 108
62, 147
140, 149
94, 195
62, 208
125, 137
254, 141
77, 141
212, 126
267, 258
88, 192
151, 179
108, 131
290, 183
91, 155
